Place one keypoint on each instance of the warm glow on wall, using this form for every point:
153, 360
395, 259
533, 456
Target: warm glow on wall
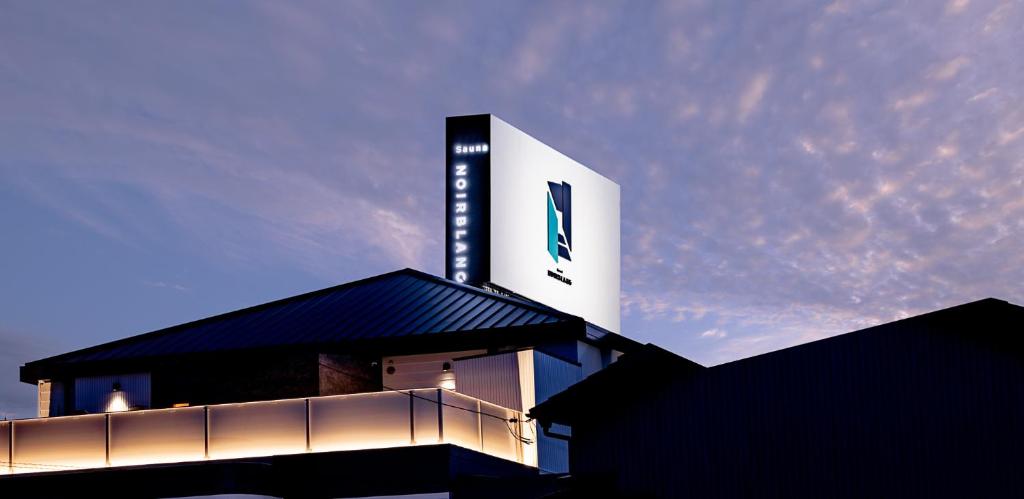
117, 402
448, 383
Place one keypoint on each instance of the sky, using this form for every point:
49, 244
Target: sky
790, 170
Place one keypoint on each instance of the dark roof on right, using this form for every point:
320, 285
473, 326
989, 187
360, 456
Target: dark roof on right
650, 367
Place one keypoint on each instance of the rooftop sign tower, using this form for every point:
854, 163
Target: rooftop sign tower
527, 219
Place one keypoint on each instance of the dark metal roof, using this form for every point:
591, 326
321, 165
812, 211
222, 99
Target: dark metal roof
398, 304
648, 369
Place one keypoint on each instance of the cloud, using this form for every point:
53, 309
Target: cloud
751, 97
950, 68
713, 333
551, 38
210, 189
787, 172
913, 101
954, 7
165, 285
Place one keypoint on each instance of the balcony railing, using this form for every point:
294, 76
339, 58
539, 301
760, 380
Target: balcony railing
254, 429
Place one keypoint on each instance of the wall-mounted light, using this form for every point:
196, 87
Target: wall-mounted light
117, 401
448, 378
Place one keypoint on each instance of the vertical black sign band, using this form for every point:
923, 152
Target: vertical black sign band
468, 198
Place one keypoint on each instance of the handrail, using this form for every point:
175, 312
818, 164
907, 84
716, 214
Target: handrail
262, 428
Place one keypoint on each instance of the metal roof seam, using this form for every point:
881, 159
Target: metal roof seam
397, 304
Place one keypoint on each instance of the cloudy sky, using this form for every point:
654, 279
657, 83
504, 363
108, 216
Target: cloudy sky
789, 170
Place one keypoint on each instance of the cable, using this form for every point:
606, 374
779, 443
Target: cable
520, 436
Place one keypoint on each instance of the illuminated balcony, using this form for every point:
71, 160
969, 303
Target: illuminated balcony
255, 429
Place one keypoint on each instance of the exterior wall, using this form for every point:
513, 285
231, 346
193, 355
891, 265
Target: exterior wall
590, 357
422, 370
567, 349
50, 398
552, 375
343, 374
494, 378
93, 393
251, 376
43, 398
519, 380
238, 378
912, 409
58, 407
506, 379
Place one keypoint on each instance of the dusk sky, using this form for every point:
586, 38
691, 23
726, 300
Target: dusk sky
789, 170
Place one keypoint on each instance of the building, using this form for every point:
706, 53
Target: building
930, 406
402, 362
403, 383
411, 385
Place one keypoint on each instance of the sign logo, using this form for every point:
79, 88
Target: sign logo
559, 201
460, 222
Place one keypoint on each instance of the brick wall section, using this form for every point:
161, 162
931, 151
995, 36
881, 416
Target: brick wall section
237, 379
340, 374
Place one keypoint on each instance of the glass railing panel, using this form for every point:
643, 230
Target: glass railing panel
460, 424
425, 411
157, 436
363, 421
257, 428
54, 444
5, 447
358, 421
500, 436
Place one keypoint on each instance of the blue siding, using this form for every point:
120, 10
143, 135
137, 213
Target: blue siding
92, 393
57, 398
551, 376
590, 358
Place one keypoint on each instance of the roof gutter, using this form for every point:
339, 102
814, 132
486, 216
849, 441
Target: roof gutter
548, 433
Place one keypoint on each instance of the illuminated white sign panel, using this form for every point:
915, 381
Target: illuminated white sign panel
536, 222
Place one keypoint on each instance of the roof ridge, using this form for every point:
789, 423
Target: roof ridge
516, 300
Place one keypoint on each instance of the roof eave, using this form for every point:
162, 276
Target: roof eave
570, 329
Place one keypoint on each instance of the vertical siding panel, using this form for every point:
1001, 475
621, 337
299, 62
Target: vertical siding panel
925, 407
551, 376
57, 399
492, 378
93, 392
590, 358
529, 395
